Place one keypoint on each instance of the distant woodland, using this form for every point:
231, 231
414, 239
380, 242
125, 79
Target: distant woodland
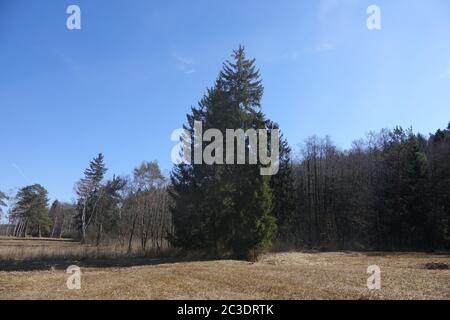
389, 191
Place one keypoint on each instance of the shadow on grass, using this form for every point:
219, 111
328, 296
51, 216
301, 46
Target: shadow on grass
62, 264
371, 253
56, 263
404, 253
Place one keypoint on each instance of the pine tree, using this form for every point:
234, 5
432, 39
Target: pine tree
31, 210
224, 208
88, 191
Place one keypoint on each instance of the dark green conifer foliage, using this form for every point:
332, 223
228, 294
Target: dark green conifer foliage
225, 209
31, 208
89, 193
283, 193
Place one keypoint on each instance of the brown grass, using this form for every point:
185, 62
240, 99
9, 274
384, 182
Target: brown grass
276, 276
31, 249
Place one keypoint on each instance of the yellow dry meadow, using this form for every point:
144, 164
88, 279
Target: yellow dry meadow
291, 275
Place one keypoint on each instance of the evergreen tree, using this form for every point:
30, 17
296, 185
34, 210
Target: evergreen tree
283, 193
390, 191
439, 164
224, 208
31, 210
88, 190
417, 223
107, 210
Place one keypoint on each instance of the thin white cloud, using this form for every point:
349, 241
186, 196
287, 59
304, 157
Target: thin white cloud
15, 166
184, 60
185, 64
325, 46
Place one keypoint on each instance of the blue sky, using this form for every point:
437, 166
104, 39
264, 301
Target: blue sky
125, 81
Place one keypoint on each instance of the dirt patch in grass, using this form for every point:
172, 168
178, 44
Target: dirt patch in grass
435, 266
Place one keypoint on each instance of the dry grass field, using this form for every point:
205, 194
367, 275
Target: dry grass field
291, 275
20, 249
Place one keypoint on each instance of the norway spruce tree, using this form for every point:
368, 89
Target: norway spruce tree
88, 190
220, 208
283, 193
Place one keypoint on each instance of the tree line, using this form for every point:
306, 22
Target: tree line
389, 191
127, 210
130, 211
